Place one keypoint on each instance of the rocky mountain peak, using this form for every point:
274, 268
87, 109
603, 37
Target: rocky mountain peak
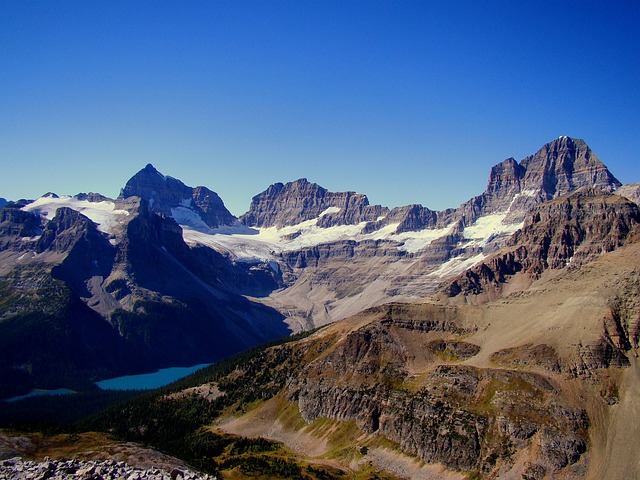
298, 201
558, 168
154, 187
564, 165
505, 175
170, 197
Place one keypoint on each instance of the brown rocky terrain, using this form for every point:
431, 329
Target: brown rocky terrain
562, 233
535, 384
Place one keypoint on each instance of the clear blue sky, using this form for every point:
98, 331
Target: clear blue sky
407, 102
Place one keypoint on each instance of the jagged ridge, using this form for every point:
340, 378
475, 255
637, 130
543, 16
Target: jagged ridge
168, 196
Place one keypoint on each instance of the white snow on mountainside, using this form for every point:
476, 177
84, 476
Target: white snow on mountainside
262, 244
104, 213
488, 227
242, 243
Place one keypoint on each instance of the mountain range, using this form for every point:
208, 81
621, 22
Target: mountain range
165, 275
498, 339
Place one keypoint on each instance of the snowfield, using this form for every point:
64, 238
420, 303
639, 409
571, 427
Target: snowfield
104, 213
488, 227
246, 244
265, 244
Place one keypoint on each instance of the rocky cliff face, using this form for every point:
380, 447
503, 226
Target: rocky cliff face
564, 165
443, 417
170, 197
441, 383
296, 202
16, 224
559, 167
569, 231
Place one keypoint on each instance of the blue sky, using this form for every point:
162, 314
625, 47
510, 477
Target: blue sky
407, 102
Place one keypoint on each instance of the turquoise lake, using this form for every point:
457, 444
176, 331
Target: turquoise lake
144, 381
149, 381
38, 392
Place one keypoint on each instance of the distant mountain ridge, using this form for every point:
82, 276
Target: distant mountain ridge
299, 201
559, 167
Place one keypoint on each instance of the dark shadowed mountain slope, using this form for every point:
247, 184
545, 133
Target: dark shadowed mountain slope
134, 298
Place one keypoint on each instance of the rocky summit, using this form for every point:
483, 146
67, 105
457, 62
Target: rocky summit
296, 202
199, 206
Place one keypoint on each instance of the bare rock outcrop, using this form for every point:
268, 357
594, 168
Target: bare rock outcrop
18, 469
630, 191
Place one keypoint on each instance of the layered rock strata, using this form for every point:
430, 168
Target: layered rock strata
566, 232
296, 202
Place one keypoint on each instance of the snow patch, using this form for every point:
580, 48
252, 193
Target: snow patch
329, 211
488, 227
416, 241
456, 265
265, 244
186, 217
104, 213
26, 255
